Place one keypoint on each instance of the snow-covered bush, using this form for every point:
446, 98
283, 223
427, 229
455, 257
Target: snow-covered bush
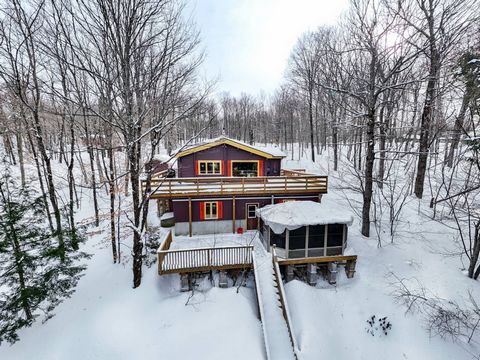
378, 326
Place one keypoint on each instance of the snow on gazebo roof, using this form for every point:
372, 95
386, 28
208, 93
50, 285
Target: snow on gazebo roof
292, 215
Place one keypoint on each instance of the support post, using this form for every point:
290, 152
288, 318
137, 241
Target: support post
184, 283
312, 275
289, 273
233, 214
222, 280
190, 217
307, 235
332, 273
287, 243
325, 242
350, 268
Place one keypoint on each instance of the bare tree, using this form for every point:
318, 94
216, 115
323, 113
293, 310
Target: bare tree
304, 66
441, 25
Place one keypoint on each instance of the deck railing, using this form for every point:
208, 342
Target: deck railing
283, 302
182, 187
204, 259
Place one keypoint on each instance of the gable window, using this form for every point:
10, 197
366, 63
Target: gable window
213, 167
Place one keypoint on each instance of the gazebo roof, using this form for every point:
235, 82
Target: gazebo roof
292, 215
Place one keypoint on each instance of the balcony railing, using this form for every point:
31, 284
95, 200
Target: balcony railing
261, 185
202, 259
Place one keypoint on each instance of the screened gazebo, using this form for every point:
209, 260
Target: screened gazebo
301, 229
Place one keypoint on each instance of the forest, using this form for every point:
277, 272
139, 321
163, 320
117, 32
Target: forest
91, 91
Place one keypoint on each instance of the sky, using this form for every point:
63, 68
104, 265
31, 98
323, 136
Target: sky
248, 42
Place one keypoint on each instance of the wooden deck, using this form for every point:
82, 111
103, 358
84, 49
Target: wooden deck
294, 183
202, 259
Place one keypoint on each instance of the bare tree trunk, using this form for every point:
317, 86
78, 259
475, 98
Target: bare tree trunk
21, 161
457, 130
426, 121
91, 157
369, 162
111, 185
310, 118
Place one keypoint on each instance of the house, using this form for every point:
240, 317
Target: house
221, 183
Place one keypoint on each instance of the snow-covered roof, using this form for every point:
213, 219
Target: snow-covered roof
265, 151
292, 215
167, 216
162, 157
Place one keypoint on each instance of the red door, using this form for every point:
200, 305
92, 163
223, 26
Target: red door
251, 216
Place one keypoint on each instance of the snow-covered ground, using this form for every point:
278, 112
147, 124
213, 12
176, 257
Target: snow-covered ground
277, 339
107, 319
330, 322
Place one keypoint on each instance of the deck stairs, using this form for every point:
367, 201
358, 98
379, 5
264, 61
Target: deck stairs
278, 334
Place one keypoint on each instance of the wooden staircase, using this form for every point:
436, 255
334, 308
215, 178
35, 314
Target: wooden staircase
279, 339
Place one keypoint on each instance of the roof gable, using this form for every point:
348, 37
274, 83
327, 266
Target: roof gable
257, 150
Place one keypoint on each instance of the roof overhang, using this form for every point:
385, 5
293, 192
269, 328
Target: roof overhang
296, 214
231, 142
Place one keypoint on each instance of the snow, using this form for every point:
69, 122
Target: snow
277, 340
107, 319
292, 215
165, 158
214, 240
330, 321
167, 216
269, 149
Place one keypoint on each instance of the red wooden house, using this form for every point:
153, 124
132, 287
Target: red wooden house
221, 183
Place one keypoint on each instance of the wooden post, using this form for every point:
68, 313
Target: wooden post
233, 214
190, 216
287, 243
307, 235
325, 235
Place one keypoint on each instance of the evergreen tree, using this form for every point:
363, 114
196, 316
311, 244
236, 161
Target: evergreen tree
34, 274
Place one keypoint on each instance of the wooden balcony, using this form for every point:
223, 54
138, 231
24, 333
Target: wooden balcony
239, 257
298, 183
202, 259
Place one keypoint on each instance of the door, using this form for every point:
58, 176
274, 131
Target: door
251, 216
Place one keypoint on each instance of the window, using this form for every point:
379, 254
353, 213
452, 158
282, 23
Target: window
251, 214
278, 239
335, 235
213, 167
211, 210
316, 236
297, 238
248, 168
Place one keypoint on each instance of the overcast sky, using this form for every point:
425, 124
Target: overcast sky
248, 42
